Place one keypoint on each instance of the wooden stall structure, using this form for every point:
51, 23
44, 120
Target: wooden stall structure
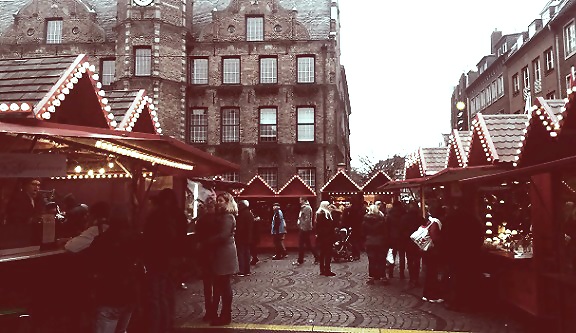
340, 190
372, 192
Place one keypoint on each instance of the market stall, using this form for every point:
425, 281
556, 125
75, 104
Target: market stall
458, 148
371, 189
340, 190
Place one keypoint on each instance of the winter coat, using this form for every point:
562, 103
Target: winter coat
374, 229
278, 223
205, 229
394, 219
222, 245
325, 229
305, 218
410, 222
244, 227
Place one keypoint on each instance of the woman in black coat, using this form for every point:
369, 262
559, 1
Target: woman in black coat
325, 235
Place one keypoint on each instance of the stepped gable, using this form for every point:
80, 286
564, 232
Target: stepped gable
314, 15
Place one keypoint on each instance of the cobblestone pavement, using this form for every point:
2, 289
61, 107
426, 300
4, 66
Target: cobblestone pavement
297, 299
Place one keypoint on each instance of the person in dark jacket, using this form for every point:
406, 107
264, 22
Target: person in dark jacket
204, 230
432, 257
255, 240
375, 230
278, 232
409, 224
352, 218
164, 230
225, 258
243, 236
325, 236
394, 219
26, 205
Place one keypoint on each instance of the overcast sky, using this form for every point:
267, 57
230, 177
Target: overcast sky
403, 59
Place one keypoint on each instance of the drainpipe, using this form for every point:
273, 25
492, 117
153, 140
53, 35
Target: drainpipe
557, 61
324, 102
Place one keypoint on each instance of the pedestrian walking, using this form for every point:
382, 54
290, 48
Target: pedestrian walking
394, 219
205, 230
374, 228
325, 236
305, 226
243, 236
352, 218
432, 289
256, 231
410, 223
225, 262
278, 232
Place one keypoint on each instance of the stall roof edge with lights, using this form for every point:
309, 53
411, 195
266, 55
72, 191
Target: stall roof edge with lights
459, 145
342, 184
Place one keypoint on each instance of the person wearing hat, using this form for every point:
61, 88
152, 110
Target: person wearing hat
278, 232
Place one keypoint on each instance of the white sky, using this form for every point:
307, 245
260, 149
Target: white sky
403, 59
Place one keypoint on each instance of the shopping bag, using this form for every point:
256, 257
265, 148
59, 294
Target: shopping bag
390, 257
421, 237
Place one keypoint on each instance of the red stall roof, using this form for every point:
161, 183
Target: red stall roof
133, 111
341, 183
459, 147
296, 188
373, 184
257, 188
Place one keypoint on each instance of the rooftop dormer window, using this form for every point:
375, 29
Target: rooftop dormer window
254, 28
54, 31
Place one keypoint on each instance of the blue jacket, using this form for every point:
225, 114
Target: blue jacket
278, 223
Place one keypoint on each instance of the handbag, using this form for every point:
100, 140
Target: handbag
421, 237
390, 257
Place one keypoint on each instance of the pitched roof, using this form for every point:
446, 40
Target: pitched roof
296, 188
426, 162
257, 188
373, 184
540, 143
133, 111
496, 138
340, 183
458, 148
53, 88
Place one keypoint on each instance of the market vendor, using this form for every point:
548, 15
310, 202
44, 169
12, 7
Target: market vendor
26, 205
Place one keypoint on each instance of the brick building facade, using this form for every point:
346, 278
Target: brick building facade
256, 82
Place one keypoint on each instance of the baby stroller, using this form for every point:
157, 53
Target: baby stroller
342, 248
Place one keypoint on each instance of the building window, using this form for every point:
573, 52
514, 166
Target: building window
142, 61
270, 176
268, 125
500, 86
526, 77
515, 84
255, 29
551, 95
230, 125
198, 126
549, 54
108, 70
305, 69
536, 68
305, 124
199, 73
569, 39
494, 91
54, 31
231, 70
268, 70
308, 175
231, 176
568, 79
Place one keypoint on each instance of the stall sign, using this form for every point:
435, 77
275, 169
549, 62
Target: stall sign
32, 165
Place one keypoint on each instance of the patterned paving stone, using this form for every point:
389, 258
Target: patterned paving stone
297, 298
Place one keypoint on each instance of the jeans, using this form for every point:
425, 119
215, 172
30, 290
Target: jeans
243, 252
223, 291
304, 243
325, 257
160, 302
111, 319
279, 244
432, 287
376, 261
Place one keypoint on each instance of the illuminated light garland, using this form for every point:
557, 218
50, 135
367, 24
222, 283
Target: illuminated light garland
257, 177
141, 156
334, 177
297, 178
135, 110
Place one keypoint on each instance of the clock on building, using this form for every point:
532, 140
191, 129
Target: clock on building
142, 3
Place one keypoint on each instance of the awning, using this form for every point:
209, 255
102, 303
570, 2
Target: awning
170, 155
296, 188
563, 163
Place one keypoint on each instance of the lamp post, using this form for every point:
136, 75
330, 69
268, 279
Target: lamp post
460, 106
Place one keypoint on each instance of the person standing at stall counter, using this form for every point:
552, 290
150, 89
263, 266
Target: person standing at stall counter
26, 205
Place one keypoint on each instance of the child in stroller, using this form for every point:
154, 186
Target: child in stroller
342, 248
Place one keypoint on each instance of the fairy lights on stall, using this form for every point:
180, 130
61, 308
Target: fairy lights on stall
337, 175
135, 110
297, 179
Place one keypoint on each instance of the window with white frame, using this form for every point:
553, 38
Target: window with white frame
482, 100
305, 69
230, 125
142, 61
568, 79
54, 31
108, 71
231, 176
500, 85
270, 176
537, 70
488, 95
526, 77
231, 70
305, 124
268, 125
494, 90
308, 175
198, 126
549, 54
255, 28
515, 84
268, 70
199, 73
569, 39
